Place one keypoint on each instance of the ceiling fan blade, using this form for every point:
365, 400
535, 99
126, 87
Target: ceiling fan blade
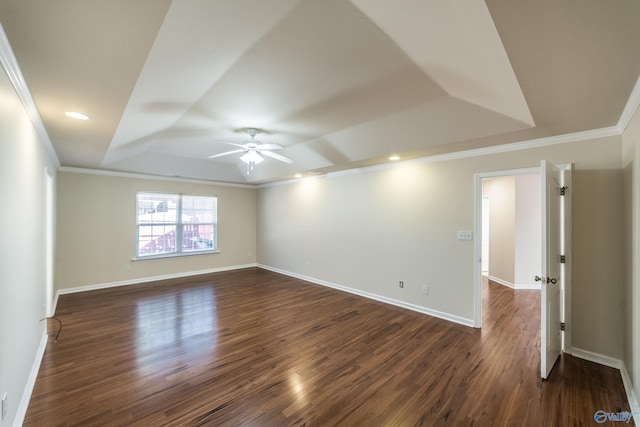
277, 157
226, 153
270, 147
234, 144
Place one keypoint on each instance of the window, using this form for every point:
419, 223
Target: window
175, 224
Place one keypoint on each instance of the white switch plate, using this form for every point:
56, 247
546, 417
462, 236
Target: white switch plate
465, 235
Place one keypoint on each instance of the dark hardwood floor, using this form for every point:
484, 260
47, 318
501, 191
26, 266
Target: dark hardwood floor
252, 347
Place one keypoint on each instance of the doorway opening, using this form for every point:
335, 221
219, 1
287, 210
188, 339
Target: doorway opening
512, 230
508, 228
553, 274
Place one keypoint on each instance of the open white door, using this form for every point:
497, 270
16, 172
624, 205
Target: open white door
552, 276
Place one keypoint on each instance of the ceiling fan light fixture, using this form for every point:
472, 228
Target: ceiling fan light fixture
252, 157
253, 151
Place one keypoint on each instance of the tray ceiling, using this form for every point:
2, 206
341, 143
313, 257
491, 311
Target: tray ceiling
338, 83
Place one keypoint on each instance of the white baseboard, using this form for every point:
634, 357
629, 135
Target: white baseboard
501, 282
144, 280
31, 381
514, 286
413, 307
619, 365
631, 395
597, 358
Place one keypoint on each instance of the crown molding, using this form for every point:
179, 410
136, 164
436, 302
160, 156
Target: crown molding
133, 175
526, 145
630, 108
11, 67
476, 152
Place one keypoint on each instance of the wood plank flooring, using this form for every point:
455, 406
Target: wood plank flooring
252, 347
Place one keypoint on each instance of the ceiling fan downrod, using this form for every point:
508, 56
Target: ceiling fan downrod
252, 132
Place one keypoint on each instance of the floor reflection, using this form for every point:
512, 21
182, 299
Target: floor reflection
177, 322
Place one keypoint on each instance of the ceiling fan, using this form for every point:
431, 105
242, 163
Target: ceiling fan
253, 149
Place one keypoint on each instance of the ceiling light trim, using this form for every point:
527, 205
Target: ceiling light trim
14, 73
76, 115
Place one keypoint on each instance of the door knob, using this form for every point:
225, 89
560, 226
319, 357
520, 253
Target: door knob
538, 279
553, 281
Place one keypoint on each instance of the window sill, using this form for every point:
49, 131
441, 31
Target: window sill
175, 255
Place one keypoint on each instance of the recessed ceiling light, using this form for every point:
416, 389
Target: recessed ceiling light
76, 115
298, 175
394, 158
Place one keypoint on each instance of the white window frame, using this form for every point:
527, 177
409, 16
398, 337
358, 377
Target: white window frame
179, 228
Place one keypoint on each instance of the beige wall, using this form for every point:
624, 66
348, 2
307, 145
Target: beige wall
597, 221
515, 228
96, 229
23, 160
528, 243
367, 231
502, 227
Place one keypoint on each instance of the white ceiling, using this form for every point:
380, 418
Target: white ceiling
338, 83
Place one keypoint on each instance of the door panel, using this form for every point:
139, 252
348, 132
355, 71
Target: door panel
551, 270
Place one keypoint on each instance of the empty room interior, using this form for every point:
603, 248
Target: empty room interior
304, 212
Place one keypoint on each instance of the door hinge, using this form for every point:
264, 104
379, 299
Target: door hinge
562, 326
563, 259
563, 190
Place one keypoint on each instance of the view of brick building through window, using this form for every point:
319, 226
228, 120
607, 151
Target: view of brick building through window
175, 223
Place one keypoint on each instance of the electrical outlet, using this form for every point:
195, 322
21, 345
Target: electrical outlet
425, 290
465, 235
401, 284
4, 406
